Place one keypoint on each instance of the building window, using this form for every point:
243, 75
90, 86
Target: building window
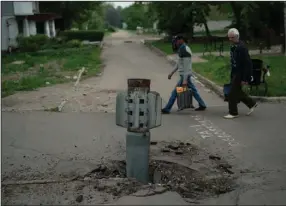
36, 7
40, 27
20, 26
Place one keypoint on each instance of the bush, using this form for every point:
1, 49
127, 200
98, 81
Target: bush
111, 29
54, 43
90, 35
42, 42
75, 43
32, 43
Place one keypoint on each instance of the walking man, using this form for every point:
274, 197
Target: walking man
241, 71
184, 67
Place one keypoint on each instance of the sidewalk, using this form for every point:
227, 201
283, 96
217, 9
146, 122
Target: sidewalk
273, 50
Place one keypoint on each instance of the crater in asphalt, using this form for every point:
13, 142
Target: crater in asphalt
189, 181
186, 169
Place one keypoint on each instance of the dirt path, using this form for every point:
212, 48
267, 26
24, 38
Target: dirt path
88, 97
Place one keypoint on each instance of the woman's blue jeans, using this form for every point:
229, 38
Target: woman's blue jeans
191, 87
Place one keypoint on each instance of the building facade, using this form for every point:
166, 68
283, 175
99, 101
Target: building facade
24, 18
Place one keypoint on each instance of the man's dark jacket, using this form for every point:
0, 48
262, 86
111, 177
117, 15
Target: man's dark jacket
241, 64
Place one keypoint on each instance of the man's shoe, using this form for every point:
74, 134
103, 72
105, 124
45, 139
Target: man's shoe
200, 108
230, 116
165, 112
252, 109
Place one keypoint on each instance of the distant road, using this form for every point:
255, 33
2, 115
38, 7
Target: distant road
214, 25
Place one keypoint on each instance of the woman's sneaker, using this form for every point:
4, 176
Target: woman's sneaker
252, 109
230, 116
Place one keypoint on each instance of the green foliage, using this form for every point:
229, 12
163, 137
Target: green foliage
53, 43
74, 43
113, 17
111, 29
89, 35
138, 15
252, 19
32, 43
96, 22
42, 42
180, 17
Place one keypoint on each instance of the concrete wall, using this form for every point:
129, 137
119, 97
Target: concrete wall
7, 8
9, 35
32, 27
23, 8
13, 32
4, 31
36, 8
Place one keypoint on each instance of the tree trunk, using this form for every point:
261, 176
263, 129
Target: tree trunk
190, 31
207, 28
67, 24
236, 11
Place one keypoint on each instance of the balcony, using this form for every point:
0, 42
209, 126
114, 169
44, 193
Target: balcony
25, 8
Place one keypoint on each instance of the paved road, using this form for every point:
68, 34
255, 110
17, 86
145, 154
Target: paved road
132, 60
214, 25
258, 148
50, 145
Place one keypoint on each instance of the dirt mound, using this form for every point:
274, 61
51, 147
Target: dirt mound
189, 180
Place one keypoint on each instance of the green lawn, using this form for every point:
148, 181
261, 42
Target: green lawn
36, 69
217, 69
195, 47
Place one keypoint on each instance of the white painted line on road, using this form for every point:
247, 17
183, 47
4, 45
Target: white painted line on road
206, 129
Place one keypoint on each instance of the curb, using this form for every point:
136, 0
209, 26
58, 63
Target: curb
208, 83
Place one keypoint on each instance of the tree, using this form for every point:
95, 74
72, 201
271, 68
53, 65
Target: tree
97, 19
253, 19
119, 9
113, 17
199, 12
135, 15
180, 17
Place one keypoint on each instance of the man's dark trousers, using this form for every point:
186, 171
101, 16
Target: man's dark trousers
236, 95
